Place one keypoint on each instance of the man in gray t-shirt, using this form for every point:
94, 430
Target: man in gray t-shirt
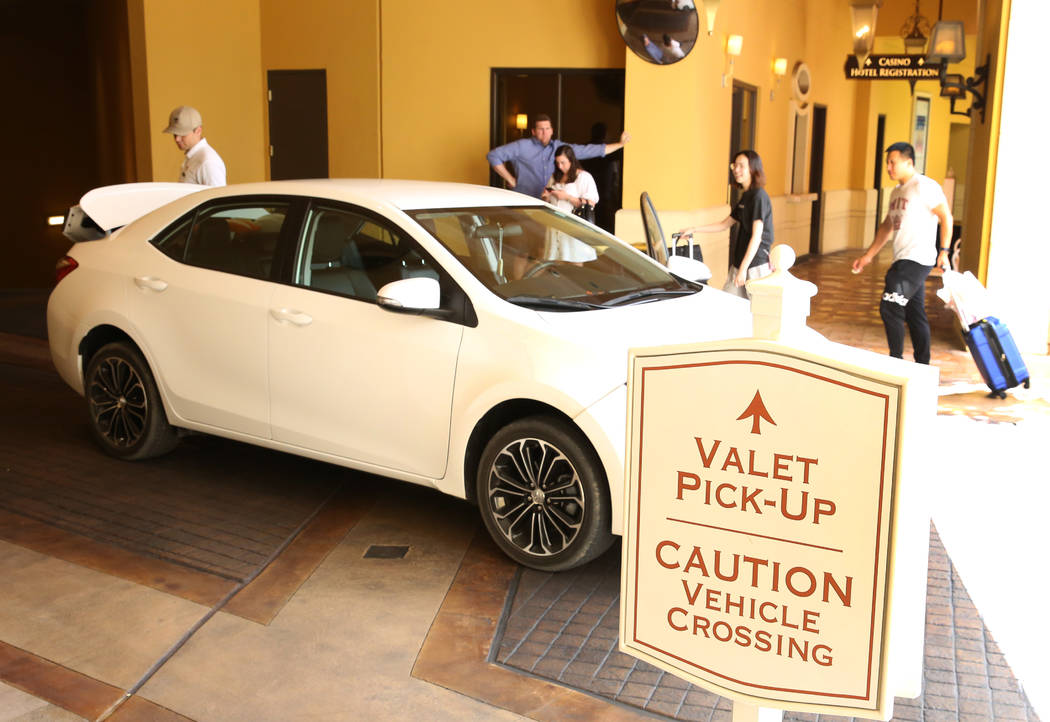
917, 204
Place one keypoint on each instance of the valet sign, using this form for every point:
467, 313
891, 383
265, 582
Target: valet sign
758, 522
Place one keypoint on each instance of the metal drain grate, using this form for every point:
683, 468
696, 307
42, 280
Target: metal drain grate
379, 551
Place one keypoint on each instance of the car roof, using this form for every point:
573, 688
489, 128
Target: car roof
403, 194
111, 207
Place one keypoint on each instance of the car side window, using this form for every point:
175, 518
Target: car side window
232, 238
353, 255
173, 242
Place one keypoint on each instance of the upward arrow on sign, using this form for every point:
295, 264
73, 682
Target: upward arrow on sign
757, 411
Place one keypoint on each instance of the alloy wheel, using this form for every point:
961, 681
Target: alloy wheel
536, 497
118, 402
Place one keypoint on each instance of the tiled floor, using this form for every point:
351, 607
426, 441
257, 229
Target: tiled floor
90, 602
22, 312
564, 627
846, 310
222, 520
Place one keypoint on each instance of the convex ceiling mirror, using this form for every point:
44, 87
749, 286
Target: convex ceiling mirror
801, 83
658, 31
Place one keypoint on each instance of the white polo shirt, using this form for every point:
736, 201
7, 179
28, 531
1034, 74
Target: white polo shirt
203, 166
914, 223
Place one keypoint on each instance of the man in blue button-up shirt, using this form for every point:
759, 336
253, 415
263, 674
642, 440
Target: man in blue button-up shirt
533, 157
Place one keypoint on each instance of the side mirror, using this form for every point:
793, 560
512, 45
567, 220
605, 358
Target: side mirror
410, 295
688, 268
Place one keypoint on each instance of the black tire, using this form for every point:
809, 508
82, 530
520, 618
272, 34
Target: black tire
543, 495
124, 409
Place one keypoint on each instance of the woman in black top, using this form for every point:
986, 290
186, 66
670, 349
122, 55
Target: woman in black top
754, 213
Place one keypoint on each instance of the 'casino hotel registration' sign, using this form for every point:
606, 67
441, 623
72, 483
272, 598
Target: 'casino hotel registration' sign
891, 67
756, 550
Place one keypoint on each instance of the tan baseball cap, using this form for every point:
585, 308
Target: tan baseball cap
183, 120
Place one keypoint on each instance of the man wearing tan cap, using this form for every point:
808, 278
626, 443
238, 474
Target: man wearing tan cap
202, 165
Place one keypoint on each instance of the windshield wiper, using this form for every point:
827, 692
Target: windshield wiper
554, 304
649, 293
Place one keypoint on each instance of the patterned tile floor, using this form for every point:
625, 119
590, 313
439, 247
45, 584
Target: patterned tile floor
201, 510
564, 627
23, 311
846, 310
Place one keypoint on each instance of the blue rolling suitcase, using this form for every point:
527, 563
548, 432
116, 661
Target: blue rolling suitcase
996, 355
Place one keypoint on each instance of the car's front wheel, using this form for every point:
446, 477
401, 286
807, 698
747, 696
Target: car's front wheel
124, 408
543, 495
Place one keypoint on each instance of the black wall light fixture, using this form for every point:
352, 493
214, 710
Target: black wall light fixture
948, 45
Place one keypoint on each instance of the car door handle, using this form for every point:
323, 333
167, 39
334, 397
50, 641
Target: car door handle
295, 317
153, 284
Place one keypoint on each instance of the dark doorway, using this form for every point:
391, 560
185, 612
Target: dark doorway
880, 142
585, 106
816, 175
69, 127
298, 124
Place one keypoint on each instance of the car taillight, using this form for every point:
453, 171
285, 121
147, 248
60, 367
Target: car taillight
64, 267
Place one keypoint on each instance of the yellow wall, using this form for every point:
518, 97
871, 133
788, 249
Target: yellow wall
984, 143
207, 55
680, 114
409, 82
409, 89
436, 73
341, 37
826, 45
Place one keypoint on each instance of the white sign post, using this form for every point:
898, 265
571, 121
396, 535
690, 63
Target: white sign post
775, 538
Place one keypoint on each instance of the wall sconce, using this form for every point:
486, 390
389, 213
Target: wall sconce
863, 14
710, 9
953, 86
780, 68
56, 220
948, 42
521, 122
734, 44
948, 45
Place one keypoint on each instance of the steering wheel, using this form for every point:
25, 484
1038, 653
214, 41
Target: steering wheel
538, 268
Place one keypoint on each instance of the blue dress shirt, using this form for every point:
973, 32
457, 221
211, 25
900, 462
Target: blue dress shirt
534, 162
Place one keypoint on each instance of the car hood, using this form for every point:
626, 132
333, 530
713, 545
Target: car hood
705, 316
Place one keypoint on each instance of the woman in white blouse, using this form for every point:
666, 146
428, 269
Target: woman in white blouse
569, 188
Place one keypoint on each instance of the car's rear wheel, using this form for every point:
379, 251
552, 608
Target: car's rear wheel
543, 495
124, 408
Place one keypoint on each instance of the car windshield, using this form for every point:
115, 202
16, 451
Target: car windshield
540, 257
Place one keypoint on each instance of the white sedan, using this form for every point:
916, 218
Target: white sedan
467, 338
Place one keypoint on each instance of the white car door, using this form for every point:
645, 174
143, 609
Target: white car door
203, 312
347, 377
